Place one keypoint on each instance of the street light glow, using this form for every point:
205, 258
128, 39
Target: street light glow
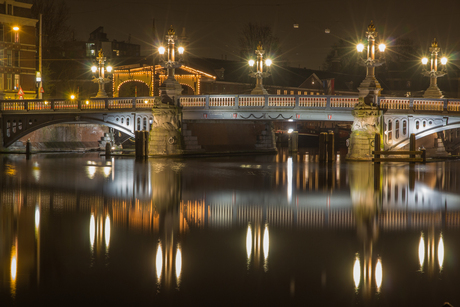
424, 61
109, 68
268, 62
72, 96
181, 50
382, 47
93, 68
251, 63
360, 47
16, 28
161, 50
444, 60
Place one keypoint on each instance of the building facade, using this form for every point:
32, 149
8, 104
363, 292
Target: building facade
18, 50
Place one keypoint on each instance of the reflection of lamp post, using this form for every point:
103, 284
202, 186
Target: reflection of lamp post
259, 73
370, 83
433, 91
170, 85
99, 74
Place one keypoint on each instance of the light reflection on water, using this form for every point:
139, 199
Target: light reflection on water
214, 224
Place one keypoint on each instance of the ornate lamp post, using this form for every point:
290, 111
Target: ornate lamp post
366, 113
259, 73
170, 85
99, 74
433, 91
370, 83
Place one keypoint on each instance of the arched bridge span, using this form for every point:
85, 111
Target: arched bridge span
400, 117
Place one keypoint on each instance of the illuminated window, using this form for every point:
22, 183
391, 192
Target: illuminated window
16, 36
305, 93
278, 92
417, 125
90, 49
292, 92
285, 92
404, 123
299, 93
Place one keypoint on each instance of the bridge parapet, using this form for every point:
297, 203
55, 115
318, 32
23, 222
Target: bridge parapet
82, 105
267, 101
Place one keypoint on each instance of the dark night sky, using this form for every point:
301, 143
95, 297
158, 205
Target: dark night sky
213, 26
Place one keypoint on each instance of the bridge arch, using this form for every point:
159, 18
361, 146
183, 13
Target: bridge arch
425, 133
17, 127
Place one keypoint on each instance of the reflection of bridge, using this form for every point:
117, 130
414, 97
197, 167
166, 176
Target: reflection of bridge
401, 116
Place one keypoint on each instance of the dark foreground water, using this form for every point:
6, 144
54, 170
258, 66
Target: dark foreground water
240, 231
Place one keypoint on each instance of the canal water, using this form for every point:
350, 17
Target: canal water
79, 229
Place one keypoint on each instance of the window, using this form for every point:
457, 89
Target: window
404, 123
9, 58
15, 37
1, 82
17, 81
299, 93
9, 82
285, 92
16, 58
305, 93
397, 129
2, 60
1, 32
278, 92
417, 125
390, 130
292, 92
90, 49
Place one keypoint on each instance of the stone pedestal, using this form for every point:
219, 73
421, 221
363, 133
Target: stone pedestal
259, 90
433, 92
165, 136
170, 88
365, 126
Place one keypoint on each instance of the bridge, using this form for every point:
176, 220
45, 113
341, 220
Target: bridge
400, 116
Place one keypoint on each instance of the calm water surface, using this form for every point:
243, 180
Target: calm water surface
239, 231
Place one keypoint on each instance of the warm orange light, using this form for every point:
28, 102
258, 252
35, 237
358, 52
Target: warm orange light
16, 28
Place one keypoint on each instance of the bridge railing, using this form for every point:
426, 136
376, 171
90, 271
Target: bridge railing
232, 102
197, 102
420, 104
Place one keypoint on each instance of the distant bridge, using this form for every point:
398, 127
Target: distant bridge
401, 116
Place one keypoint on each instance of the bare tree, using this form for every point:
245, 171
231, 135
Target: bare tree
250, 36
55, 14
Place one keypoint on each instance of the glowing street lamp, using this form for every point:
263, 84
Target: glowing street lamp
99, 71
259, 72
168, 61
370, 84
433, 91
